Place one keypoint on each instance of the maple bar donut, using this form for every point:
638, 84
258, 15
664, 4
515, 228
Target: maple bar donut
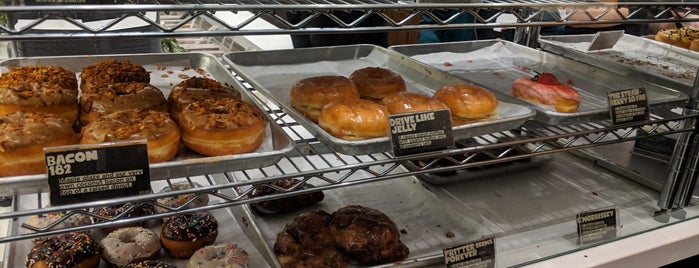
23, 136
375, 83
69, 250
410, 102
129, 245
215, 127
468, 103
545, 89
120, 96
196, 89
160, 131
183, 234
354, 119
111, 71
150, 264
221, 255
46, 89
309, 95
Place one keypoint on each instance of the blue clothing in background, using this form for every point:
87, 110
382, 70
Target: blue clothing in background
435, 36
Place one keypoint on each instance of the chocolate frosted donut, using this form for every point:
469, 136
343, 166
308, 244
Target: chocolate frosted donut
286, 204
66, 250
150, 264
181, 235
111, 71
120, 96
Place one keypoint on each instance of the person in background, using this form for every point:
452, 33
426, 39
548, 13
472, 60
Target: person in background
436, 36
320, 40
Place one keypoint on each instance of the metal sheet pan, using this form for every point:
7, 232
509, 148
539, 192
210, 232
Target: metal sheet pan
275, 72
167, 70
632, 56
425, 221
497, 64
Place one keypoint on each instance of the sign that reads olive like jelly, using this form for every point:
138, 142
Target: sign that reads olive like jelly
595, 226
476, 254
81, 173
419, 132
629, 105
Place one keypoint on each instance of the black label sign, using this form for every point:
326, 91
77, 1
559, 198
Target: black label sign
479, 254
413, 133
595, 226
629, 105
83, 173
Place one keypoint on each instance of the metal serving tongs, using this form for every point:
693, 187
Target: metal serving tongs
605, 39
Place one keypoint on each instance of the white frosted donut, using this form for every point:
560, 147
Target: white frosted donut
128, 245
44, 220
221, 255
179, 200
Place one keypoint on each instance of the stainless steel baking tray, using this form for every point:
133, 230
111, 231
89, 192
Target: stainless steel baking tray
632, 56
167, 70
425, 222
229, 232
275, 72
497, 64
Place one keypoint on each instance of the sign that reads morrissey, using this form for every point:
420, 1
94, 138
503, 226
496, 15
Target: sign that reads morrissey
595, 226
419, 132
83, 173
629, 105
476, 254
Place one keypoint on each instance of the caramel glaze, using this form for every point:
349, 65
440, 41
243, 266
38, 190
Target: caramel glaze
197, 89
111, 71
38, 86
221, 115
21, 129
131, 124
120, 96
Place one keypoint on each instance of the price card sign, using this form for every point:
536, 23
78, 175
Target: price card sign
480, 254
83, 173
413, 133
629, 105
595, 226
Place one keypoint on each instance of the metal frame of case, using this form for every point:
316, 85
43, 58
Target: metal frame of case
541, 139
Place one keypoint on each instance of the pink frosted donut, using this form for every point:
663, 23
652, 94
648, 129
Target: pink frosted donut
129, 245
221, 255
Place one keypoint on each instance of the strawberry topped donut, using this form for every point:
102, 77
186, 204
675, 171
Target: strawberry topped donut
545, 89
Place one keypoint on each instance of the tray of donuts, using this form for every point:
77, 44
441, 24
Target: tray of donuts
196, 117
633, 56
205, 238
341, 227
561, 90
344, 94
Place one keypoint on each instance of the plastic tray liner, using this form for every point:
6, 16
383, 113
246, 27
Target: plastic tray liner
229, 232
497, 64
633, 56
275, 72
166, 71
426, 224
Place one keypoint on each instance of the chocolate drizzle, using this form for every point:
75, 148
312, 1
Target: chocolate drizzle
65, 250
190, 226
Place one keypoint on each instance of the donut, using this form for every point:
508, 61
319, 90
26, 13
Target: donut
309, 95
120, 96
69, 250
284, 204
354, 119
150, 264
23, 135
221, 255
468, 103
375, 83
545, 89
681, 37
128, 210
129, 245
183, 234
160, 131
45, 89
178, 201
306, 241
111, 71
196, 89
58, 220
410, 102
215, 127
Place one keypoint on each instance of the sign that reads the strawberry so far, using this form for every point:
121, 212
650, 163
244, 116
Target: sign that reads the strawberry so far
628, 105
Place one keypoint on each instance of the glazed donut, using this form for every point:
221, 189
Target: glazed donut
150, 264
410, 102
120, 96
354, 119
160, 131
76, 250
468, 103
196, 89
183, 234
45, 89
375, 83
117, 212
221, 255
309, 95
110, 72
214, 127
129, 245
180, 200
23, 135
